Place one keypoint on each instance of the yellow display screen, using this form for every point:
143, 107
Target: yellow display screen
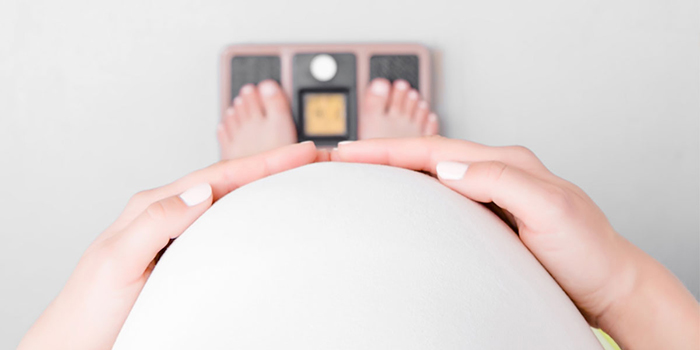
325, 114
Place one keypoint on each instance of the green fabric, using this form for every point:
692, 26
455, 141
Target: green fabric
605, 340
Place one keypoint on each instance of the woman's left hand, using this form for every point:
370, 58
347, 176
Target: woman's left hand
91, 309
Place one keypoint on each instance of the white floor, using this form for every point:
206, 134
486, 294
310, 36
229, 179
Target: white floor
99, 100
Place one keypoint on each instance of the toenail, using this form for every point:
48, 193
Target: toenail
380, 88
423, 105
246, 89
413, 95
268, 89
401, 84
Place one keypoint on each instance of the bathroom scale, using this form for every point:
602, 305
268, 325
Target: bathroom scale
324, 83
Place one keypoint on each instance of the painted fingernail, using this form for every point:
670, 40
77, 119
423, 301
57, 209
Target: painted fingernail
268, 88
451, 170
380, 88
196, 194
344, 142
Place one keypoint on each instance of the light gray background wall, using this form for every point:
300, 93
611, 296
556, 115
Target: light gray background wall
101, 99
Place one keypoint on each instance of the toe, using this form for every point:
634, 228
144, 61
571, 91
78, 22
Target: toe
411, 103
222, 135
224, 141
398, 94
240, 109
230, 121
421, 114
377, 97
431, 126
274, 102
252, 101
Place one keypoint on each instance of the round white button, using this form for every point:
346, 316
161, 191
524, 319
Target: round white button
323, 67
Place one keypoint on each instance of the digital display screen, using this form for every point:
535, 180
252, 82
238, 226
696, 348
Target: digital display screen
325, 113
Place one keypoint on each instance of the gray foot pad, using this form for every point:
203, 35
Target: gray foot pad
252, 70
393, 67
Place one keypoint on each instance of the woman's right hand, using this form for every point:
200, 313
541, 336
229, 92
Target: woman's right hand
92, 307
616, 286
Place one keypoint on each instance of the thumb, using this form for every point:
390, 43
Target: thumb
141, 240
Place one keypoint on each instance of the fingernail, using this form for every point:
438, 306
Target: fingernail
423, 105
451, 170
413, 95
380, 88
196, 194
237, 101
268, 88
344, 142
305, 142
432, 117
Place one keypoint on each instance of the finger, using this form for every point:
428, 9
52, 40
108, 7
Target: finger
224, 177
135, 246
323, 155
334, 157
424, 153
227, 176
510, 188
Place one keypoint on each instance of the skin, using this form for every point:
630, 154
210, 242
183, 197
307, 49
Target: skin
260, 118
92, 307
392, 110
615, 285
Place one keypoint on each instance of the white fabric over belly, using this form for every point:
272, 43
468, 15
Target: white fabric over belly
351, 256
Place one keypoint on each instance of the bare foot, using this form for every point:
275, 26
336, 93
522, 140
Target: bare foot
396, 110
259, 119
